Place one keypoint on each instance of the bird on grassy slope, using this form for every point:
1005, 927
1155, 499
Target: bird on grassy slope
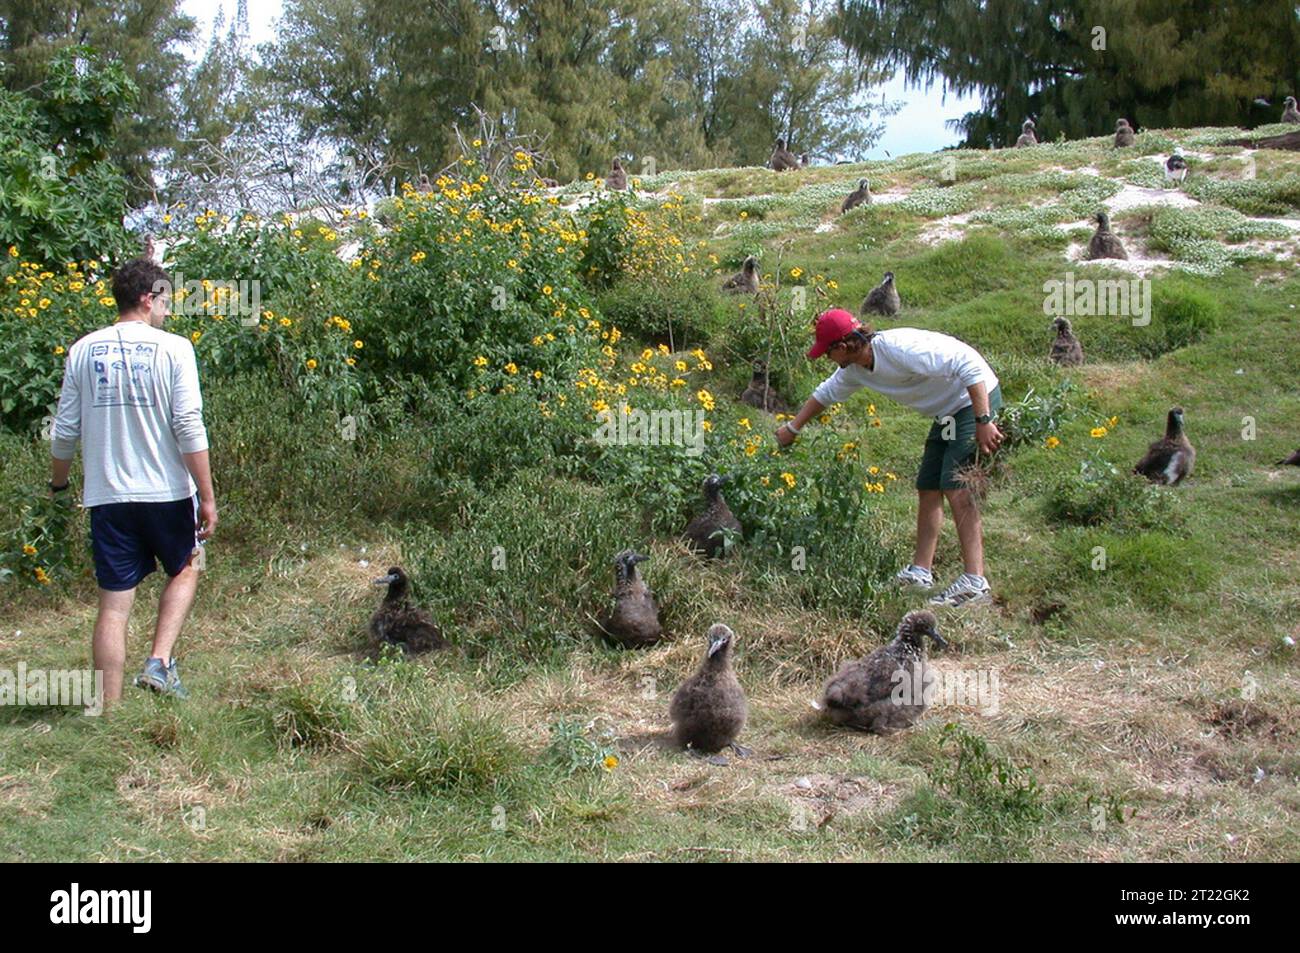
1027, 137
1104, 243
1291, 461
782, 158
633, 621
710, 531
882, 299
709, 710
744, 281
803, 160
761, 394
1066, 349
617, 178
1176, 167
399, 623
1123, 134
1289, 112
885, 691
1170, 458
859, 196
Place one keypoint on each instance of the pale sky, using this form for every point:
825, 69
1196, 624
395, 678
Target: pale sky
917, 127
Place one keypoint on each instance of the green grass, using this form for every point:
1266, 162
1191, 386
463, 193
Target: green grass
1137, 700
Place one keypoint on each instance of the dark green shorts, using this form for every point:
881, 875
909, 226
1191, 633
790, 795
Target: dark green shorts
943, 458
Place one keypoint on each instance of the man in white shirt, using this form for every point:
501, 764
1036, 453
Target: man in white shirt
131, 397
941, 377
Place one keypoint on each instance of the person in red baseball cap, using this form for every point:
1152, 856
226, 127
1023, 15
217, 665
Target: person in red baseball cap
941, 377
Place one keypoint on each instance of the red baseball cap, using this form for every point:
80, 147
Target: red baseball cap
830, 327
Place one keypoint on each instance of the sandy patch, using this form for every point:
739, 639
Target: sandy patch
946, 229
1133, 196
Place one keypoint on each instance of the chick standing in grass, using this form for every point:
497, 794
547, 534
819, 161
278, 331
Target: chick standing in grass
761, 394
1104, 243
617, 178
744, 281
1289, 112
634, 619
1176, 167
397, 622
885, 691
782, 158
1169, 460
708, 532
859, 196
709, 709
1123, 134
882, 299
1027, 137
1066, 349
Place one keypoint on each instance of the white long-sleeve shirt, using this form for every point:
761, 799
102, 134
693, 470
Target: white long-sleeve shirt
925, 370
131, 396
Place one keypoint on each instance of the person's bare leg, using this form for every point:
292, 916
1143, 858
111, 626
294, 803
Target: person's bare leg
929, 520
173, 608
970, 529
109, 645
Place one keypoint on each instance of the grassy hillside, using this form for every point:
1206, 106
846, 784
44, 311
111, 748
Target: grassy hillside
1147, 710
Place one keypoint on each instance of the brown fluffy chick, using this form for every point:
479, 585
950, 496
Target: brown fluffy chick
1123, 134
744, 281
617, 178
633, 621
1289, 112
1027, 137
397, 622
882, 299
885, 691
1066, 349
1170, 458
761, 394
782, 158
709, 710
707, 533
1104, 242
859, 196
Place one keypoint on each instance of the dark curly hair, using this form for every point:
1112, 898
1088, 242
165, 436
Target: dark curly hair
137, 277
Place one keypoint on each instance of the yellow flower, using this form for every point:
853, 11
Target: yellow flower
480, 361
311, 363
418, 257
41, 577
511, 368
477, 143
789, 479
743, 423
352, 362
610, 762
13, 251
286, 322
194, 338
546, 289
796, 272
705, 399
681, 367
537, 375
358, 344
707, 425
1052, 443
744, 215
29, 549
1113, 421
1098, 432
107, 301
58, 349
43, 303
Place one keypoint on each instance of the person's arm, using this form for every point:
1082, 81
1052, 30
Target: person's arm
200, 468
192, 436
987, 435
785, 434
67, 427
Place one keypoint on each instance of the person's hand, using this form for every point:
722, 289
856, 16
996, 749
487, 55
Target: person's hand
988, 437
207, 520
784, 436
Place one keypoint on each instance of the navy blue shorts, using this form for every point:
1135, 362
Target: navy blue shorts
127, 537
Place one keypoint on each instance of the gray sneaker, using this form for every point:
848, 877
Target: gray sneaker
968, 590
164, 680
916, 577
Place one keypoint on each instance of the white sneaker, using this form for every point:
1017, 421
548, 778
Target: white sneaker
916, 577
969, 589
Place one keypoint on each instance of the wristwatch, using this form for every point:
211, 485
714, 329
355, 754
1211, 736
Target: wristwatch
984, 419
